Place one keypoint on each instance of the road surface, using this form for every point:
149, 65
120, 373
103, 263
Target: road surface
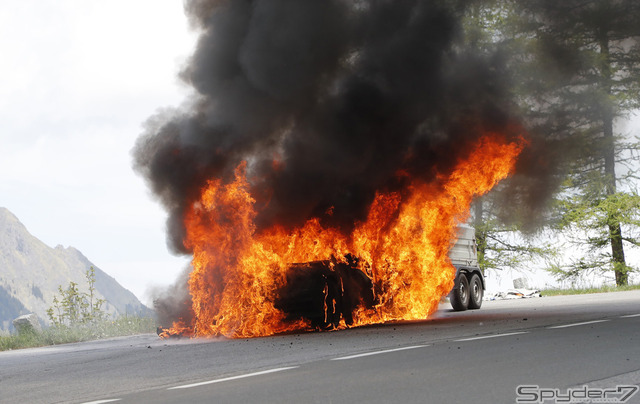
480, 356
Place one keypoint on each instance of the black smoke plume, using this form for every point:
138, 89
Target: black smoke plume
327, 102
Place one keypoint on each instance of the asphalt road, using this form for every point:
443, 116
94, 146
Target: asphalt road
477, 356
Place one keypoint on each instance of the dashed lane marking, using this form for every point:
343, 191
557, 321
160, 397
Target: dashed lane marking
491, 336
226, 379
578, 324
342, 358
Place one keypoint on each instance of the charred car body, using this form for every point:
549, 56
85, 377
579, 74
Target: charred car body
324, 292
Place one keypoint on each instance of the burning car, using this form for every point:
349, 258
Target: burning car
325, 292
328, 292
323, 189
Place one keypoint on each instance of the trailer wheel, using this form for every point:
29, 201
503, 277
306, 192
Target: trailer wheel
460, 297
475, 292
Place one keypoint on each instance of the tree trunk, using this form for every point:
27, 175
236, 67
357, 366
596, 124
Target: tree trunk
615, 230
481, 235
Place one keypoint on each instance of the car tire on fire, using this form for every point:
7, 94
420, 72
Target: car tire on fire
460, 296
475, 292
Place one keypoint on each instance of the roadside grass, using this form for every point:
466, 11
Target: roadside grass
64, 334
602, 289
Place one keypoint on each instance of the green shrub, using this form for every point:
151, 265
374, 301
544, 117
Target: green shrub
78, 316
74, 307
63, 334
574, 291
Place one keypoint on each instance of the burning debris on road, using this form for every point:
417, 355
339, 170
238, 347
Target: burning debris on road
347, 137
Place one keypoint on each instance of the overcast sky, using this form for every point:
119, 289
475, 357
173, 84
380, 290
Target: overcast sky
77, 80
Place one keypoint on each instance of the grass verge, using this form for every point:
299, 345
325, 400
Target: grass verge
66, 334
602, 289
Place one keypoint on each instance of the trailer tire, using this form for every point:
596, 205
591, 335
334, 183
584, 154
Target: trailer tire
460, 296
475, 292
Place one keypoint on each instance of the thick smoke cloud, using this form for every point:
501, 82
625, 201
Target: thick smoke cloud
327, 101
174, 302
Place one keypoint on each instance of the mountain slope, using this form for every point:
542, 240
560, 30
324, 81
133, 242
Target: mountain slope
31, 271
10, 308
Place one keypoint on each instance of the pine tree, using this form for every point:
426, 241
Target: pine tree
584, 76
574, 67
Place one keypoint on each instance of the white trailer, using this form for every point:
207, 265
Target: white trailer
469, 285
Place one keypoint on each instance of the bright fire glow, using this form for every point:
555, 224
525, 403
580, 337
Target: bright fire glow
403, 246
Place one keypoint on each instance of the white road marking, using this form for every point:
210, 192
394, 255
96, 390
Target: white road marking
577, 324
378, 352
226, 379
491, 336
630, 315
103, 401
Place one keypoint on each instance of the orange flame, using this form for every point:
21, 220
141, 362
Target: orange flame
402, 246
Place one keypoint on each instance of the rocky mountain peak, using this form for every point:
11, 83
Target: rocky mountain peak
31, 271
